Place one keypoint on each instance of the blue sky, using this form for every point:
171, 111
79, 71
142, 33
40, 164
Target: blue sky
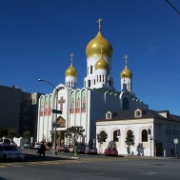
37, 37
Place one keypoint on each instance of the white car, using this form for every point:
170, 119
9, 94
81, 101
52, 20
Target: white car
10, 152
37, 146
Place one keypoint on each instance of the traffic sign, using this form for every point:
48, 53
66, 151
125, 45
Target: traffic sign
175, 141
56, 111
55, 124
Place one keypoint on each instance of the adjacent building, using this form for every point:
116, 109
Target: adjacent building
18, 110
154, 131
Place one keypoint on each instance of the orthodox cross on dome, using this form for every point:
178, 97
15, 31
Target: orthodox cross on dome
71, 55
126, 59
99, 21
61, 101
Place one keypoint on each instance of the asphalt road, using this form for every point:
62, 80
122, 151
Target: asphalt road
90, 167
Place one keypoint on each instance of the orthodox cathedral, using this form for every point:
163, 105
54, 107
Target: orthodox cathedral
83, 107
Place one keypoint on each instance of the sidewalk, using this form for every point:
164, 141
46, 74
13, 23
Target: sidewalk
69, 155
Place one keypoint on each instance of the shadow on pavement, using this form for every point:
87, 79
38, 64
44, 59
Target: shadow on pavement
1, 178
35, 158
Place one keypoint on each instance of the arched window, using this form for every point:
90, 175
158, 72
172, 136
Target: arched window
125, 104
115, 135
144, 136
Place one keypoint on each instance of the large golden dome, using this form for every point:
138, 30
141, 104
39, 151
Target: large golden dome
92, 49
126, 73
101, 64
71, 71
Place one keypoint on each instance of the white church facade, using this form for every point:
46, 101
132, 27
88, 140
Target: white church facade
82, 107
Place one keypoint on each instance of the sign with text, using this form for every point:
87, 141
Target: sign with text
56, 111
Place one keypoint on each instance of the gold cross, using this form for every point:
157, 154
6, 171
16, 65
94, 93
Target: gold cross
126, 59
71, 55
99, 21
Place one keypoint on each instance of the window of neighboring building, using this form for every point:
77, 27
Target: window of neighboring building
125, 104
33, 101
94, 81
109, 83
138, 113
144, 136
108, 115
115, 135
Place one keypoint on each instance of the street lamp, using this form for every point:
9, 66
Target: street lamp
42, 80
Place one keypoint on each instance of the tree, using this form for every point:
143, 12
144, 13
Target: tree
101, 137
11, 134
4, 132
112, 144
27, 135
130, 139
74, 132
52, 135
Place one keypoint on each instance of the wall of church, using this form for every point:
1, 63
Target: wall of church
44, 118
100, 103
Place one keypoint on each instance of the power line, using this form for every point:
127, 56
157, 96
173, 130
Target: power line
173, 6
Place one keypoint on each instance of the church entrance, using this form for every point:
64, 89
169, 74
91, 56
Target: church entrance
61, 138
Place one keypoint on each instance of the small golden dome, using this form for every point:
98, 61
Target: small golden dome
71, 71
126, 73
92, 49
101, 64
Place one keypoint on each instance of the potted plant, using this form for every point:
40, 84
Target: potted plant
71, 149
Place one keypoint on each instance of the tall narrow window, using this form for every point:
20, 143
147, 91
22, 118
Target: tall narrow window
100, 78
125, 104
97, 78
91, 69
144, 136
94, 81
103, 78
89, 83
109, 82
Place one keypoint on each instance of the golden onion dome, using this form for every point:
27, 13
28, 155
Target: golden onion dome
126, 73
101, 64
71, 71
92, 49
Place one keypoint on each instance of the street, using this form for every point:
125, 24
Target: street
94, 167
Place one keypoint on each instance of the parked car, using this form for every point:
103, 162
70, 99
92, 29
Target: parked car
91, 150
13, 143
27, 146
37, 146
4, 141
111, 151
81, 147
10, 152
63, 148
